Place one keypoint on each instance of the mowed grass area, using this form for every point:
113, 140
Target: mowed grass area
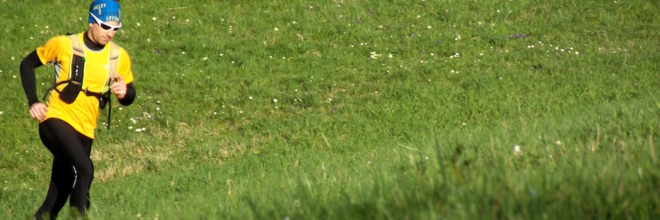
358, 110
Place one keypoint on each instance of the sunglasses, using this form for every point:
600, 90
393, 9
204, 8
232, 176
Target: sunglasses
104, 25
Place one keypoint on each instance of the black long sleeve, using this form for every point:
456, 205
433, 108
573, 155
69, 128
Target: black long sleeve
28, 78
130, 95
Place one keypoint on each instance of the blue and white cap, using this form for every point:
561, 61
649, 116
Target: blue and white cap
105, 10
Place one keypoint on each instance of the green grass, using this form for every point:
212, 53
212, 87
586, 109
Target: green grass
424, 134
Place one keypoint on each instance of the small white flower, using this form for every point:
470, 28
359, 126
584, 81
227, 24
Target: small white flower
250, 97
14, 76
452, 71
157, 108
369, 162
138, 24
221, 54
215, 113
187, 20
205, 58
295, 90
183, 52
577, 53
380, 26
130, 127
390, 56
148, 40
429, 27
329, 99
276, 29
275, 100
173, 17
558, 142
154, 18
120, 109
516, 150
1, 112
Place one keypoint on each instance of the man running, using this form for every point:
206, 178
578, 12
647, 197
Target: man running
88, 66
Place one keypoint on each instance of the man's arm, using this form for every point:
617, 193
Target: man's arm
28, 78
130, 95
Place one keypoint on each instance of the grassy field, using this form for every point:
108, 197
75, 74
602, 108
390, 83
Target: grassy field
358, 109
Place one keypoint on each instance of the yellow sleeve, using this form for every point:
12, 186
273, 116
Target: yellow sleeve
54, 49
124, 66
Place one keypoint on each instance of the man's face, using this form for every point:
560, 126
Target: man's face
100, 36
103, 32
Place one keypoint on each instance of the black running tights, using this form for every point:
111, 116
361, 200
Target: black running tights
72, 171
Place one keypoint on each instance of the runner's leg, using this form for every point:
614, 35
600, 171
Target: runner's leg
61, 179
74, 151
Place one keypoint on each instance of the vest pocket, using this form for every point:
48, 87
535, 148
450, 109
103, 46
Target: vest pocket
71, 90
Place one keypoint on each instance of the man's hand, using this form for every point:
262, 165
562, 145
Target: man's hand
38, 111
118, 87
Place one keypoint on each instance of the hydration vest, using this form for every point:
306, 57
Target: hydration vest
77, 74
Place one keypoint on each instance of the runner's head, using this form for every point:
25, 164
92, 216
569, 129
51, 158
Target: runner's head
104, 20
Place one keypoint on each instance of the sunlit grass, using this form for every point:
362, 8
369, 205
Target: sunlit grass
358, 110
